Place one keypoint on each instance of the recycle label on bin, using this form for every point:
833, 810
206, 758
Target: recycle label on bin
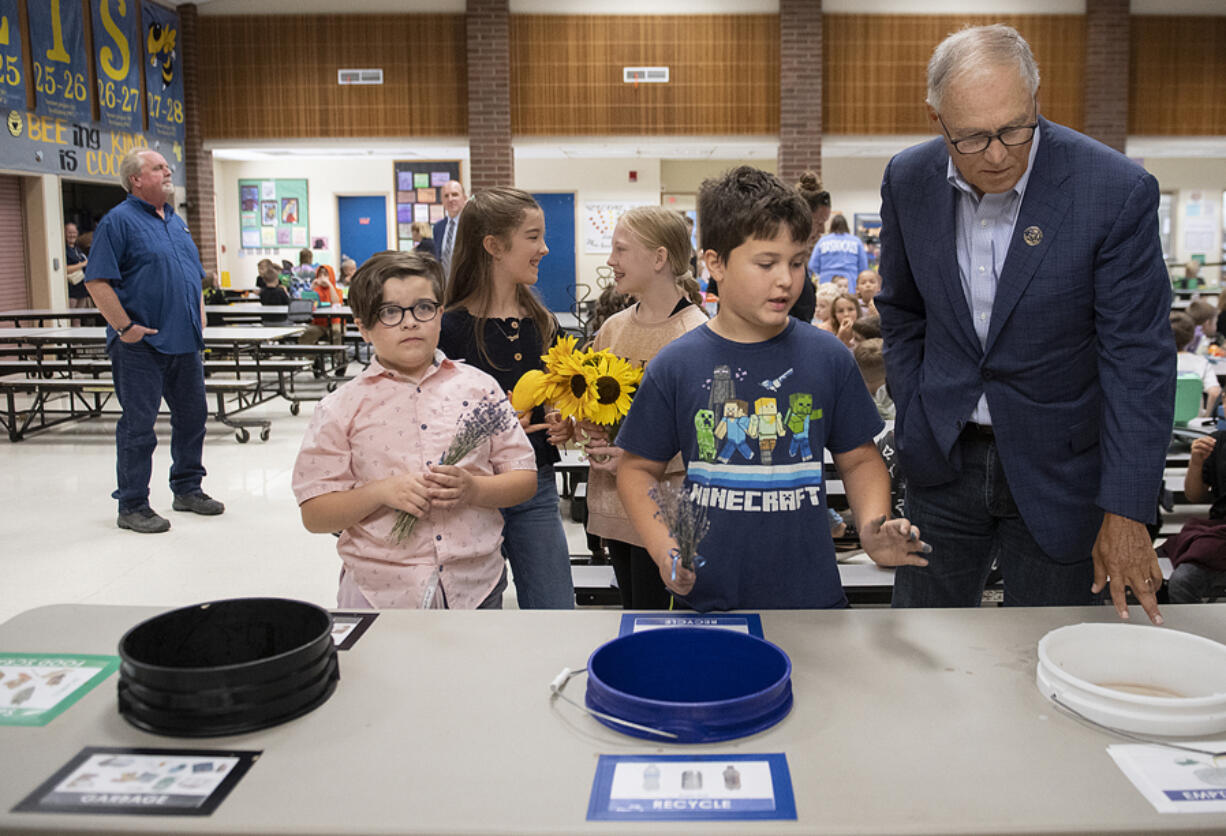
687, 787
155, 782
750, 623
35, 688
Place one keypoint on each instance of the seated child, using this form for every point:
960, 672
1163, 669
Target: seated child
823, 318
868, 285
1189, 363
865, 328
1198, 551
752, 428
272, 292
213, 295
871, 362
373, 445
1204, 317
844, 312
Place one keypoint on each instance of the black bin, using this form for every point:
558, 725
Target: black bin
227, 667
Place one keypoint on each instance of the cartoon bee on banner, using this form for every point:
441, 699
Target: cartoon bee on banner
160, 46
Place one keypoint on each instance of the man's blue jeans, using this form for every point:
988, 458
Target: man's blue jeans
535, 544
972, 522
143, 377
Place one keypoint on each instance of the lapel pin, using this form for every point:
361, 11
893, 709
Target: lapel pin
1033, 236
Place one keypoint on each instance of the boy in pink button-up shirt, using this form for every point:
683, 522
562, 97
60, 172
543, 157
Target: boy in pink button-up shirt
373, 446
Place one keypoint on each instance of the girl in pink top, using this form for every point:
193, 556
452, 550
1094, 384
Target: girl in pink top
373, 447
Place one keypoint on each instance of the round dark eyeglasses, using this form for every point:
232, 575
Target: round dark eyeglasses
423, 311
1009, 137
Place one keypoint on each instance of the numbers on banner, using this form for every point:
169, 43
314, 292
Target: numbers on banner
44, 79
118, 97
168, 110
12, 71
57, 51
117, 73
74, 86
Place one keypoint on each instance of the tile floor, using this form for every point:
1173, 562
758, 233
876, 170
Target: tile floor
59, 543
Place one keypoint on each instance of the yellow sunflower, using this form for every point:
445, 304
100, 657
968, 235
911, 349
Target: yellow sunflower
577, 391
613, 386
533, 389
559, 353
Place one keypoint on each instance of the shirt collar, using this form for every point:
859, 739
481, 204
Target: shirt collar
956, 179
377, 369
167, 209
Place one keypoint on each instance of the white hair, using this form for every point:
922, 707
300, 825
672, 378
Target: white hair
131, 165
976, 48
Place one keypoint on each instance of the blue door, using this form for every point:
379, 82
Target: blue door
363, 226
556, 279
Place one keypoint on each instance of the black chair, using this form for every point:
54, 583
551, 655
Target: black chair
300, 311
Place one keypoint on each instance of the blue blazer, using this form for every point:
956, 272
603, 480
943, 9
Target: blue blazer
1079, 365
440, 232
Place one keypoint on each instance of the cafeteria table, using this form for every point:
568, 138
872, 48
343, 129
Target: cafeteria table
904, 722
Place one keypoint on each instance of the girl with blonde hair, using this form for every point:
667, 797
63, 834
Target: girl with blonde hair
651, 263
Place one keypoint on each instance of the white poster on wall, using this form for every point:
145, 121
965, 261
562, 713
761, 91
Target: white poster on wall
1200, 225
599, 218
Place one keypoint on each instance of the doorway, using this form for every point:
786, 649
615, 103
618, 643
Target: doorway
362, 223
556, 277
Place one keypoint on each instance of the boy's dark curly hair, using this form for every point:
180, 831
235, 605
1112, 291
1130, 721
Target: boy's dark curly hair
746, 203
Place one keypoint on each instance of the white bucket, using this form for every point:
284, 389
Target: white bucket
1143, 679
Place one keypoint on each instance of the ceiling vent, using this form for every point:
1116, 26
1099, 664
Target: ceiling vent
359, 76
645, 75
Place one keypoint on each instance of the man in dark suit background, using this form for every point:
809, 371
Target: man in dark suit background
1024, 310
454, 198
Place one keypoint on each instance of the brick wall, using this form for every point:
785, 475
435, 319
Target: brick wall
800, 88
491, 160
197, 162
1106, 81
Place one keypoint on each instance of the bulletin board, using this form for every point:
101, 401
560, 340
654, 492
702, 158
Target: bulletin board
419, 187
273, 213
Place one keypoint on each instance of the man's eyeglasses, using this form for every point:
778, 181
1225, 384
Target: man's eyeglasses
423, 311
977, 144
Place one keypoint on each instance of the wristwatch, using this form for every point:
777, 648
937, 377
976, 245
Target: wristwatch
125, 329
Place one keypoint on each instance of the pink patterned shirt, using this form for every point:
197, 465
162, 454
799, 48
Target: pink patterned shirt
382, 423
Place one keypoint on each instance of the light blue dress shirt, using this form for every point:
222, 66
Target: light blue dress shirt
983, 227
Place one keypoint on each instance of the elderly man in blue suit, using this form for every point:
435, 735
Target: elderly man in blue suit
1024, 310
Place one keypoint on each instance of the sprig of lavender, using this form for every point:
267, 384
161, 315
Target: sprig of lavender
485, 420
685, 520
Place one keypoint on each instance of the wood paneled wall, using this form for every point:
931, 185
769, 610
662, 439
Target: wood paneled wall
566, 74
876, 67
275, 76
1177, 76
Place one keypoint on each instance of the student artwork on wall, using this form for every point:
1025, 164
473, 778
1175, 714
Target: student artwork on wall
273, 213
599, 219
419, 194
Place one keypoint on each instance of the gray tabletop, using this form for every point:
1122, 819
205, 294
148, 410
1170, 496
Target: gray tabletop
922, 722
85, 334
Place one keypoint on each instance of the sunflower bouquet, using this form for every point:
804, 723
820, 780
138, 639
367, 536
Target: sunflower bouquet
591, 385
